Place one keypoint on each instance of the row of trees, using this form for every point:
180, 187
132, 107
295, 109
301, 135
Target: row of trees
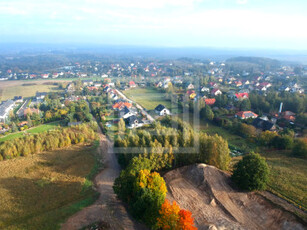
46, 141
145, 193
173, 143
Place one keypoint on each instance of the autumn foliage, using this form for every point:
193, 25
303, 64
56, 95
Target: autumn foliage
172, 218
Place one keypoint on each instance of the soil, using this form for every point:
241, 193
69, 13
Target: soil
107, 209
216, 204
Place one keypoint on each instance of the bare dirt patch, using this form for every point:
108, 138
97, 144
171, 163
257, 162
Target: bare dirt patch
215, 204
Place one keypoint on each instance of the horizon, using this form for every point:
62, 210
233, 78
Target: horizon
234, 24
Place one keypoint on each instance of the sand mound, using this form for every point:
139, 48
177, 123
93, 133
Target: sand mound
215, 204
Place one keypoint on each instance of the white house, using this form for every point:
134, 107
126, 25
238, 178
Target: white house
162, 110
125, 113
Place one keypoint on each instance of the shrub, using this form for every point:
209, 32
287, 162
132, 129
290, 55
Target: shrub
251, 173
300, 148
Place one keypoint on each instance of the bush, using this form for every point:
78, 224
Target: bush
300, 148
251, 173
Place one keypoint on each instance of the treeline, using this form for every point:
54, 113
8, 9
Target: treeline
265, 104
173, 143
284, 141
46, 141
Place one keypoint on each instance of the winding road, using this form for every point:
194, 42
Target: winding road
107, 208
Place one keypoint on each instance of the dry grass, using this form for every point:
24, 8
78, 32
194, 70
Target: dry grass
42, 190
9, 89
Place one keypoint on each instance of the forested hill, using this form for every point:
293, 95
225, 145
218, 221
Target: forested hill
263, 62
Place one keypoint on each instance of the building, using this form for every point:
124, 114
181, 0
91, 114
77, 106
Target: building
132, 84
216, 92
121, 105
162, 110
246, 114
210, 101
264, 124
126, 112
241, 96
5, 109
18, 99
133, 122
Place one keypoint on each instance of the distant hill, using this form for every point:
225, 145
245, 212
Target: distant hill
272, 63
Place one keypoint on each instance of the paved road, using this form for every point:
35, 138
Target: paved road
149, 117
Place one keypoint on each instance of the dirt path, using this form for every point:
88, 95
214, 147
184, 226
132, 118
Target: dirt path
107, 208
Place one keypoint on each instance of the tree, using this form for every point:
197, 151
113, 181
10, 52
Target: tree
121, 126
14, 127
186, 221
207, 113
214, 151
149, 194
251, 173
171, 217
29, 121
300, 148
247, 130
245, 105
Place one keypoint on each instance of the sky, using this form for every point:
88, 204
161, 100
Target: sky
265, 24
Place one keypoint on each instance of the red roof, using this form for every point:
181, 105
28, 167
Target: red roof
131, 83
121, 105
246, 114
241, 95
210, 101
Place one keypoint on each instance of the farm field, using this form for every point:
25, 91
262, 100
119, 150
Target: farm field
9, 89
38, 129
149, 98
42, 190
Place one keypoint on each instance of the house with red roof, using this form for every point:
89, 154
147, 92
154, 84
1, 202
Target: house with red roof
246, 114
241, 96
132, 84
121, 105
288, 115
210, 101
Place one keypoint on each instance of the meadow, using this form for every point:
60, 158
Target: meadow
149, 98
40, 191
37, 129
10, 89
288, 177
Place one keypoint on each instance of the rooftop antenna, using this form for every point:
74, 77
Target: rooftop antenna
280, 107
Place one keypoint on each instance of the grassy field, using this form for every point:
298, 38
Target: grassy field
40, 191
288, 177
149, 98
38, 129
9, 89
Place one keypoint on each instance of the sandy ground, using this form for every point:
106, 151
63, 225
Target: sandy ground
208, 194
107, 208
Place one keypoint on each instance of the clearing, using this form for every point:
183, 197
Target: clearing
149, 98
40, 191
215, 204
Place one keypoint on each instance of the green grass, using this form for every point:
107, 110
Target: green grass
288, 177
149, 98
38, 129
41, 191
